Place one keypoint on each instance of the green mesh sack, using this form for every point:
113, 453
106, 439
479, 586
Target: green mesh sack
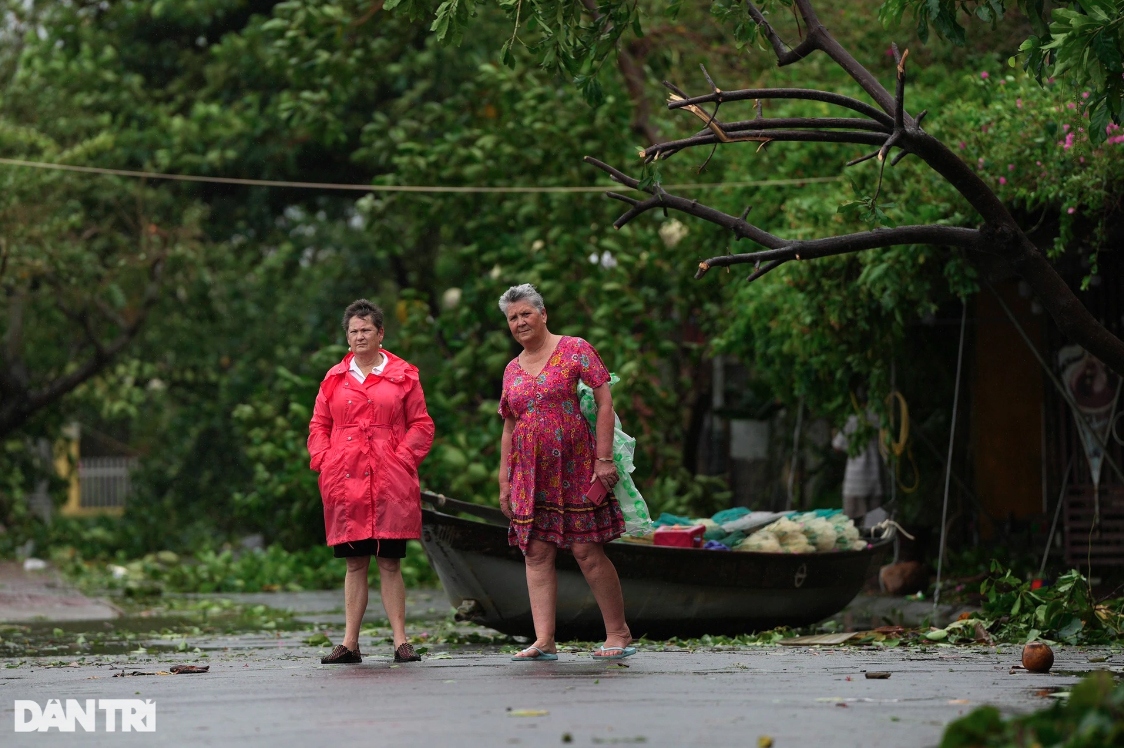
637, 520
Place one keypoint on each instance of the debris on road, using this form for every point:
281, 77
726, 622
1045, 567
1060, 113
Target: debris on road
1038, 657
527, 712
189, 669
819, 639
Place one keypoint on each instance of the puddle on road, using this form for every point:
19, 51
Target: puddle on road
197, 626
1057, 692
165, 627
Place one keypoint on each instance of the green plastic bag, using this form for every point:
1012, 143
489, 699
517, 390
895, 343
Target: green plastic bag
637, 520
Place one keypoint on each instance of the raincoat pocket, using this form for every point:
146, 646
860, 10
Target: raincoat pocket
329, 478
405, 461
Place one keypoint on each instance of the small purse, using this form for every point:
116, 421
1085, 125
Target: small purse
597, 492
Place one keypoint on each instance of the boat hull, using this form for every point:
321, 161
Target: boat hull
668, 592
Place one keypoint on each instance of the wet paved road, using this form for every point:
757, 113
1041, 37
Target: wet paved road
271, 690
268, 688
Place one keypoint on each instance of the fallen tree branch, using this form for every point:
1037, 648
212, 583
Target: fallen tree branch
661, 199
886, 126
797, 94
671, 147
951, 236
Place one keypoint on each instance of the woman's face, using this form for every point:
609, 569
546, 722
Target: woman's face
363, 337
525, 322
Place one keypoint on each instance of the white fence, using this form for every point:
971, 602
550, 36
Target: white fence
105, 481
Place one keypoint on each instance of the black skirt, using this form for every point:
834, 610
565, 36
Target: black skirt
385, 548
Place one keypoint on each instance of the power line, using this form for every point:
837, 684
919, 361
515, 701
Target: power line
388, 188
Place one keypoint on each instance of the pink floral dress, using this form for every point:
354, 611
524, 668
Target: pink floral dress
553, 451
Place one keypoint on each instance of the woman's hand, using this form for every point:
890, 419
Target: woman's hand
505, 500
606, 472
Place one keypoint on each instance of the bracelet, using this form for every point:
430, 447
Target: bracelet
605, 459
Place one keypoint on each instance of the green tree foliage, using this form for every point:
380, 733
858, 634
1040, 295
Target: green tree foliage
81, 262
216, 390
1091, 716
1082, 41
821, 322
813, 325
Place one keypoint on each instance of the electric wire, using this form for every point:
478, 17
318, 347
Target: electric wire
389, 188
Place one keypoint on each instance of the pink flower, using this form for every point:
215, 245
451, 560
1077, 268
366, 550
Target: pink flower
1019, 103
1002, 180
984, 75
1002, 82
1071, 105
1065, 128
962, 145
1071, 211
1010, 167
1082, 159
1069, 141
1039, 163
1084, 94
980, 162
1110, 128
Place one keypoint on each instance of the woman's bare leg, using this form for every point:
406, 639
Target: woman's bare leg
393, 590
542, 587
355, 599
602, 578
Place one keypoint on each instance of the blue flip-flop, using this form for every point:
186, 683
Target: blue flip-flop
624, 652
540, 657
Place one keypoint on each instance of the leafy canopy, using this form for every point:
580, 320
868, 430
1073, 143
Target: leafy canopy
1081, 40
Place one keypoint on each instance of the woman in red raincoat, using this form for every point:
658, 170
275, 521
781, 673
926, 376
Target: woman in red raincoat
369, 432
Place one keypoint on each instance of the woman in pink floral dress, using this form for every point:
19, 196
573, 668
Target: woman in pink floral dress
549, 457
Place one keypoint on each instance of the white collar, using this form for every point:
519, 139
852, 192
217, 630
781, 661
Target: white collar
358, 373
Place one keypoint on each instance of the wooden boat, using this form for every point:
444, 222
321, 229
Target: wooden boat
667, 591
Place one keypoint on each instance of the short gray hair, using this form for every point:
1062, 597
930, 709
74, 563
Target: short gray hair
522, 292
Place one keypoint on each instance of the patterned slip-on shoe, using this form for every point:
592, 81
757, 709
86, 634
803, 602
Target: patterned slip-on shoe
406, 653
341, 655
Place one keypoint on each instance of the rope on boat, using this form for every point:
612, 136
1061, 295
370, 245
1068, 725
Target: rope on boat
889, 528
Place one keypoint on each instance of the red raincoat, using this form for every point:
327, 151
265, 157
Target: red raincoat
366, 441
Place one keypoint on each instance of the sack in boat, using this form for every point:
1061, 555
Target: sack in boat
761, 541
789, 536
820, 533
809, 532
637, 520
